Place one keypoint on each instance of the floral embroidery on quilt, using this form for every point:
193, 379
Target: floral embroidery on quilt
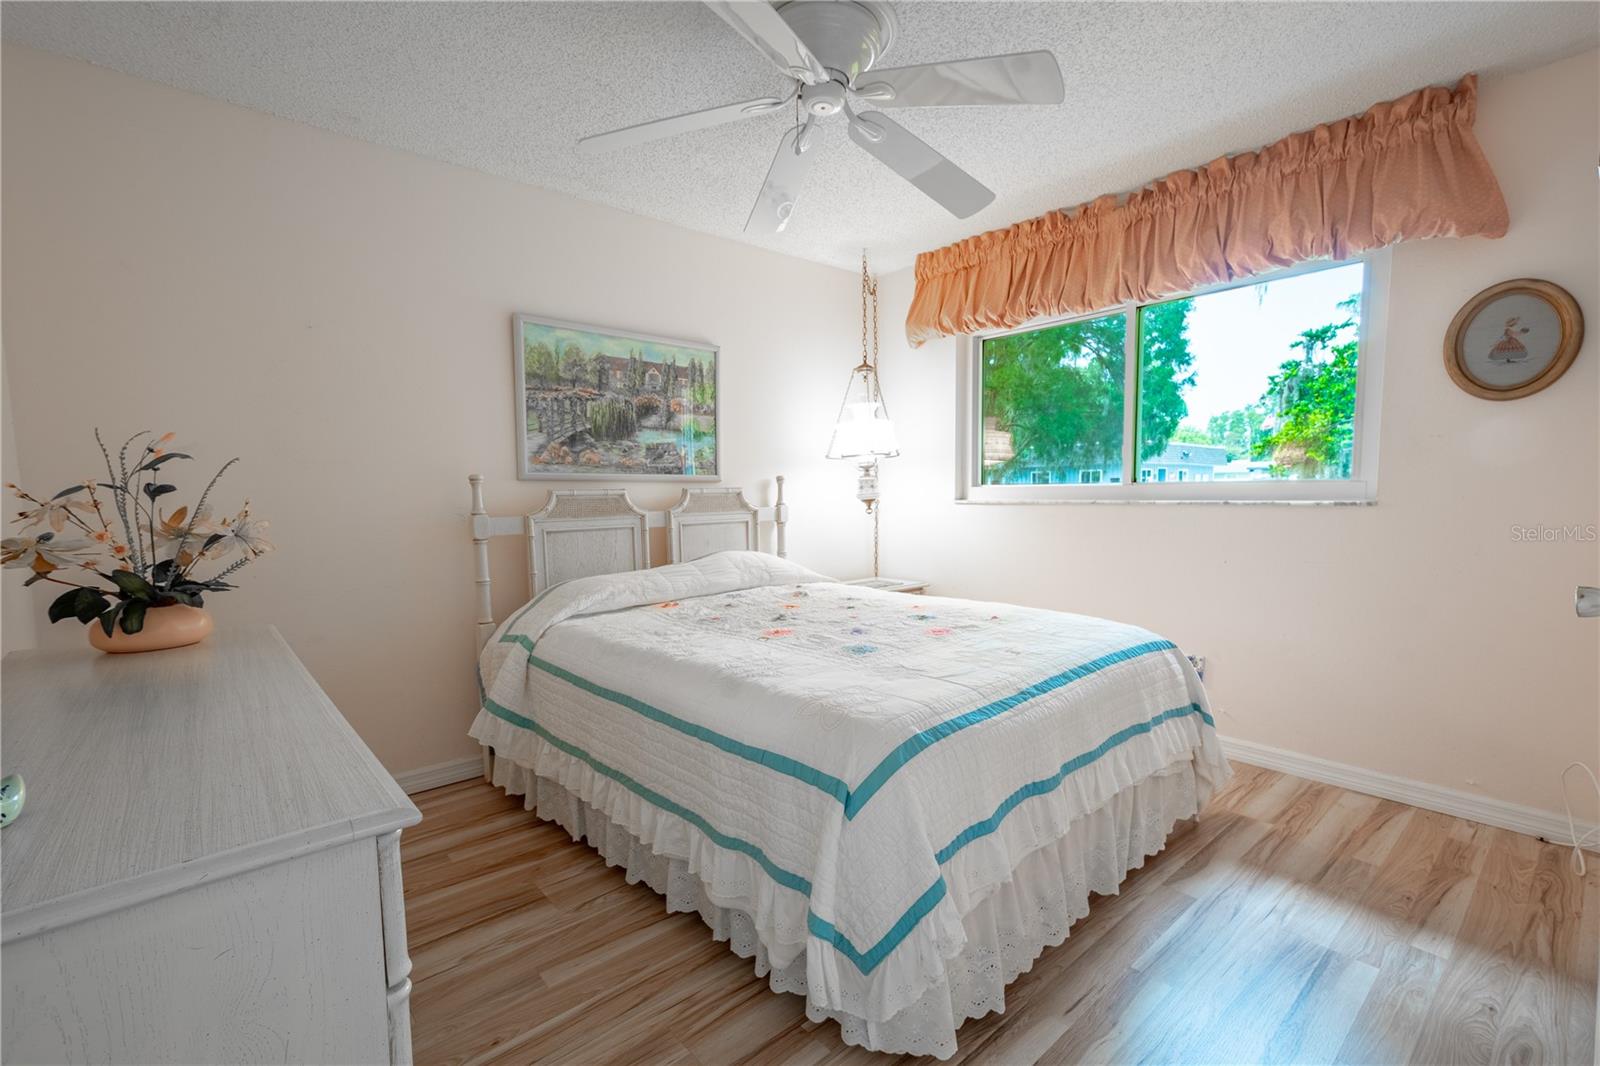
825, 619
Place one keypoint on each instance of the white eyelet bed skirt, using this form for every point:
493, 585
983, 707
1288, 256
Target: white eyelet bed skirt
1005, 932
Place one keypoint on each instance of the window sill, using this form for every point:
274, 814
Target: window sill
1278, 491
1144, 501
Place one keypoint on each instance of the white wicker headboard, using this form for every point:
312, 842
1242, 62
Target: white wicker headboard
580, 533
712, 520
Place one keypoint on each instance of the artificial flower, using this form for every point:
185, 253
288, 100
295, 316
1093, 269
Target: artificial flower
162, 444
170, 530
242, 534
42, 553
54, 513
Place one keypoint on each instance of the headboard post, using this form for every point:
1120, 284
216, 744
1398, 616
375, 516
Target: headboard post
480, 547
780, 518
533, 554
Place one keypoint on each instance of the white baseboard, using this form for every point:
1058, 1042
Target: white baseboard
440, 774
1546, 825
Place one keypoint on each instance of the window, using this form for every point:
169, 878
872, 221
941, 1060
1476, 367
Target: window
1264, 389
1052, 401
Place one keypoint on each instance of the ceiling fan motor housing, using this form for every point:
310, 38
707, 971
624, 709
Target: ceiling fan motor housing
846, 36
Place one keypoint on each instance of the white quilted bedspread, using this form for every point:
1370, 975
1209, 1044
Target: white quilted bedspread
855, 769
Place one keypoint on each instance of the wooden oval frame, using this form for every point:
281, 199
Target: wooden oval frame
1567, 310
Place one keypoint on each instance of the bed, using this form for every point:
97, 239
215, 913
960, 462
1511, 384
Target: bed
893, 804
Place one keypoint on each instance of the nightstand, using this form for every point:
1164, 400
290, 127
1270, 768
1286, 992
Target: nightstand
891, 584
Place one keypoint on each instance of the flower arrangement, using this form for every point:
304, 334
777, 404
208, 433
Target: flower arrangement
149, 559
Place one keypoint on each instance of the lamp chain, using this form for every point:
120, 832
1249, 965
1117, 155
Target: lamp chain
863, 305
874, 291
869, 292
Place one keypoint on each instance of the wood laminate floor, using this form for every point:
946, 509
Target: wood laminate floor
1294, 922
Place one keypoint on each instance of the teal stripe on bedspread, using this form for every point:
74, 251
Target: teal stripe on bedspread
865, 961
913, 747
853, 799
783, 877
772, 760
1054, 781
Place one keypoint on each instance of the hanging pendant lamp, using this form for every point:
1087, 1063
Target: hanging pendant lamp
863, 431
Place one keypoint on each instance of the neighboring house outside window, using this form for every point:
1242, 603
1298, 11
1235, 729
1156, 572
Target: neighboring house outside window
1180, 462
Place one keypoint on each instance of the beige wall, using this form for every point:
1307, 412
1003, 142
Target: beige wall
338, 314
17, 624
1414, 637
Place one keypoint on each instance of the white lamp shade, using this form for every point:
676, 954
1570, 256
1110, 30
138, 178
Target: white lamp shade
863, 429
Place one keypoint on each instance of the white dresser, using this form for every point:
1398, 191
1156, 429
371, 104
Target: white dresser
207, 868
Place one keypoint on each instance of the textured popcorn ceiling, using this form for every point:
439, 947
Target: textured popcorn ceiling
507, 88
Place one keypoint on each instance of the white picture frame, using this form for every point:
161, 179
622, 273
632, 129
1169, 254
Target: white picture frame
659, 399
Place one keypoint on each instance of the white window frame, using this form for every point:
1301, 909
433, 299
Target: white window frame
1360, 487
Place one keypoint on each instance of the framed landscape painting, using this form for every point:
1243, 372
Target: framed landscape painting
601, 403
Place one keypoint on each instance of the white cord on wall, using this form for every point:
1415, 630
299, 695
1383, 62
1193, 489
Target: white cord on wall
1579, 866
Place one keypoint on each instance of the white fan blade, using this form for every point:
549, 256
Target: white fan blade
898, 149
629, 136
761, 25
1023, 78
775, 204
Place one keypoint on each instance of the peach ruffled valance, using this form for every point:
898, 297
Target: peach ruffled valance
1403, 170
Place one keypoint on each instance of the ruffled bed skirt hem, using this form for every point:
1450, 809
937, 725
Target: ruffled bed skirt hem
1005, 932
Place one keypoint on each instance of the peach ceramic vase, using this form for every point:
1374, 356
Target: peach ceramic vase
173, 626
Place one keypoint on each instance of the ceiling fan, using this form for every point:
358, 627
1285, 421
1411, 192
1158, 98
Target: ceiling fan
830, 48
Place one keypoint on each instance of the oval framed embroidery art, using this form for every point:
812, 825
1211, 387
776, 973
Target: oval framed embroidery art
1513, 339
